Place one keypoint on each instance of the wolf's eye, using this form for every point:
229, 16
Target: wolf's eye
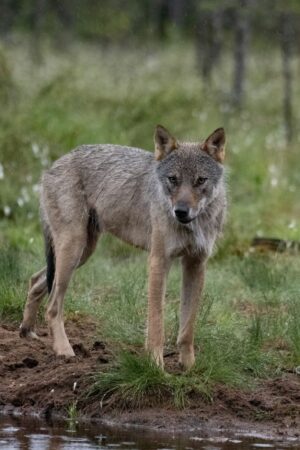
173, 180
200, 181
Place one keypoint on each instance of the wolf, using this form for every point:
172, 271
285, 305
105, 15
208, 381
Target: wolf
171, 202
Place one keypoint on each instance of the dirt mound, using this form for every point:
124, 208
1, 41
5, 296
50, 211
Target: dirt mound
34, 380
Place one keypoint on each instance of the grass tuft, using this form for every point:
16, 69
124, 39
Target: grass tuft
10, 284
136, 381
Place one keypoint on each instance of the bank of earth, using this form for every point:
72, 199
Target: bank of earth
33, 380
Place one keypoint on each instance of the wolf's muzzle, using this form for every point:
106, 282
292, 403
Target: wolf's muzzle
182, 213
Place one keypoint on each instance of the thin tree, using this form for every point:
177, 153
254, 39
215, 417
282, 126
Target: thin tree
209, 35
240, 51
286, 35
36, 20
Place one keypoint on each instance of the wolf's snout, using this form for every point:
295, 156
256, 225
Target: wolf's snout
182, 213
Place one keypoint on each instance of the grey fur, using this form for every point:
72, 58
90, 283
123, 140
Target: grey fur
127, 189
130, 195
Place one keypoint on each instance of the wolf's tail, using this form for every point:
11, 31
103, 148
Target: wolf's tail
50, 258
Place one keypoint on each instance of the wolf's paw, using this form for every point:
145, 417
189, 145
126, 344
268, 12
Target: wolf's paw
157, 356
64, 350
27, 333
187, 358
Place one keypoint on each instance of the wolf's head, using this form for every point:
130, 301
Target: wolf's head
190, 173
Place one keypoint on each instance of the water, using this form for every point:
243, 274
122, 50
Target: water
17, 433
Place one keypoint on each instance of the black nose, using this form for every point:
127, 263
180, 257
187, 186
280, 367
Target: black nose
181, 212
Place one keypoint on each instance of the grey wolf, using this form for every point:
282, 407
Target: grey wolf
171, 203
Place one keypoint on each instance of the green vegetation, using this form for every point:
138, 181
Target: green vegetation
248, 326
72, 415
137, 381
72, 412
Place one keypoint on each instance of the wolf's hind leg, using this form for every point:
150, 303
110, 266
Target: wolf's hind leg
37, 290
192, 284
69, 248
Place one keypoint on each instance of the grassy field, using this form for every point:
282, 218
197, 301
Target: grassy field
248, 327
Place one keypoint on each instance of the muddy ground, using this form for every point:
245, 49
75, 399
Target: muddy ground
34, 380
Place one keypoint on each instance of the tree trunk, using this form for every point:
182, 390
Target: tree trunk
159, 13
8, 15
177, 9
286, 51
36, 21
64, 14
209, 41
241, 39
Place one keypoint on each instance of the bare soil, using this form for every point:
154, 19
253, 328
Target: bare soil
33, 380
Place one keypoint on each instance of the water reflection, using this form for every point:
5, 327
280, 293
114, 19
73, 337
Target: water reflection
18, 433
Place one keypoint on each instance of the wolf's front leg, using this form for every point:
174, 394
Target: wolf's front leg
193, 269
159, 266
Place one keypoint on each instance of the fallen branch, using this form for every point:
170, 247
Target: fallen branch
276, 245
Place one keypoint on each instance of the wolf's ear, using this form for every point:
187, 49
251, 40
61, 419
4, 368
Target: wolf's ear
215, 145
164, 143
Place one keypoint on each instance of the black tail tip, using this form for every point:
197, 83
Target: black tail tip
50, 258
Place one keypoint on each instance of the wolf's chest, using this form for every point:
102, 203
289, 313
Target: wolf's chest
194, 240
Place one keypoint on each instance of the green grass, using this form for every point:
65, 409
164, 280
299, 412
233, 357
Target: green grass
136, 381
72, 412
13, 282
248, 326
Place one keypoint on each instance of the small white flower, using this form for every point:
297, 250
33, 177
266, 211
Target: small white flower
31, 240
202, 116
248, 140
25, 194
292, 225
36, 188
1, 172
274, 182
45, 161
35, 148
7, 210
272, 169
20, 202
234, 149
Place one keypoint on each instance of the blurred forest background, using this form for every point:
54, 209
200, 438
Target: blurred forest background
216, 27
76, 72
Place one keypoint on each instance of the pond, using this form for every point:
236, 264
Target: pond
19, 433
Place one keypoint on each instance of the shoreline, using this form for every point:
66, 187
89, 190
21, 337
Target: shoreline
34, 383
152, 423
